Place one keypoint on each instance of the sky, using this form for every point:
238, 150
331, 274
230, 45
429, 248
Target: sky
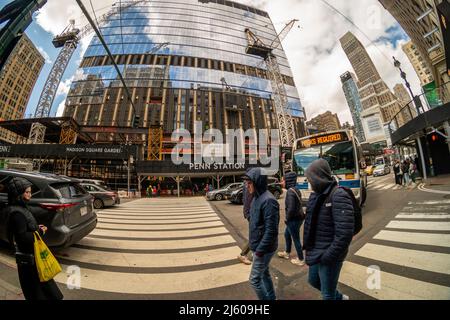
313, 49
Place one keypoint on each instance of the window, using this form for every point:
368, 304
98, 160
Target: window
68, 190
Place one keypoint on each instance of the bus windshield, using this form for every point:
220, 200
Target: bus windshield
340, 156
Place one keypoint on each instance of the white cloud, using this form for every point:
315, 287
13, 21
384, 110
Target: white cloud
45, 55
314, 52
60, 110
64, 86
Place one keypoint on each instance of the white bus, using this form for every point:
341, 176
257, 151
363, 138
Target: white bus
344, 154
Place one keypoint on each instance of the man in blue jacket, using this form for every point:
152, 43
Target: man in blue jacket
263, 232
328, 230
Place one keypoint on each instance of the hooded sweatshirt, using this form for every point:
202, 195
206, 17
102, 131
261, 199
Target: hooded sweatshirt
294, 210
264, 215
329, 222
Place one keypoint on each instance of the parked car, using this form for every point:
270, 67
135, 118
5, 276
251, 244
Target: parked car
102, 197
381, 170
224, 192
273, 186
99, 183
59, 202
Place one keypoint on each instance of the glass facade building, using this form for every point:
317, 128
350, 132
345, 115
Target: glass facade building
183, 60
354, 103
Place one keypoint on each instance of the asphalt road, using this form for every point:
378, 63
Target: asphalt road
186, 248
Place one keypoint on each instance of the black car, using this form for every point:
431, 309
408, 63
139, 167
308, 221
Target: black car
102, 197
58, 202
224, 192
273, 186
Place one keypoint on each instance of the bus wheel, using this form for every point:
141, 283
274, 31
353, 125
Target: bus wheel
363, 197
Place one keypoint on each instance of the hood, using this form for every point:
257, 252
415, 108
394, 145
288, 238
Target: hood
259, 179
16, 187
290, 180
319, 175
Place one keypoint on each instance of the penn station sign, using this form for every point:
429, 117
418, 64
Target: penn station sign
67, 151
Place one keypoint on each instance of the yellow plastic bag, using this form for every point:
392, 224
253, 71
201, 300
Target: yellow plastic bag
47, 266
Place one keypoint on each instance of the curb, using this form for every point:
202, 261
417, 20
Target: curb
422, 188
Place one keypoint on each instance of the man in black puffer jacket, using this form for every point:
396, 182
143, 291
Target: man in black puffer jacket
328, 230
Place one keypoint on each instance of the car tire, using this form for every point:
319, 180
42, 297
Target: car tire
219, 197
98, 204
277, 194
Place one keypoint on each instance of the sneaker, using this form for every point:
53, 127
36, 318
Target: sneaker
345, 297
283, 255
298, 262
244, 260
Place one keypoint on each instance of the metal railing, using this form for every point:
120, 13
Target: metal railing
428, 100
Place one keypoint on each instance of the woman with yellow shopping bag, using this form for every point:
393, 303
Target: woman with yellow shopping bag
31, 251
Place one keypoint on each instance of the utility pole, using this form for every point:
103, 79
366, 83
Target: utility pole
418, 106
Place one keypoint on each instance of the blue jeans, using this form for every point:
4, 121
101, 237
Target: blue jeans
292, 233
325, 278
260, 278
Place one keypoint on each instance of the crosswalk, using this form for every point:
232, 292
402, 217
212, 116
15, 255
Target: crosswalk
156, 247
387, 182
412, 254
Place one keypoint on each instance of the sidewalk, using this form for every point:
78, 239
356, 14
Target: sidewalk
439, 183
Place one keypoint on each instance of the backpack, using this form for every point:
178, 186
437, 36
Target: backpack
302, 213
357, 211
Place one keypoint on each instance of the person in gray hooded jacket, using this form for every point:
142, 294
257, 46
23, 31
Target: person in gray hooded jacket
263, 232
328, 230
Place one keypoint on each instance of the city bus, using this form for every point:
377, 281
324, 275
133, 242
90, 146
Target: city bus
344, 154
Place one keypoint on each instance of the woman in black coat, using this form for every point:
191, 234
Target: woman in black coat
22, 226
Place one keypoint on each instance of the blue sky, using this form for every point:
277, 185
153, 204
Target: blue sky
314, 52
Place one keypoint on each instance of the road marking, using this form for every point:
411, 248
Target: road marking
168, 217
422, 188
154, 221
427, 239
159, 234
430, 202
416, 215
149, 227
133, 283
166, 260
388, 186
157, 245
427, 209
430, 261
393, 287
419, 225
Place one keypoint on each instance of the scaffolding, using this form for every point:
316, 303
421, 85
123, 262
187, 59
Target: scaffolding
155, 135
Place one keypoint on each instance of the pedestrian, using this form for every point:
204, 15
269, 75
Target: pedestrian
154, 191
398, 173
294, 220
328, 230
158, 193
405, 169
247, 200
210, 188
206, 188
263, 232
412, 171
23, 224
195, 189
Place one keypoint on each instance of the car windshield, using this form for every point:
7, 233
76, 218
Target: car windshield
340, 156
379, 167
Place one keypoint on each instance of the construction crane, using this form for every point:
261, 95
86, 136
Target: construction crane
258, 48
68, 40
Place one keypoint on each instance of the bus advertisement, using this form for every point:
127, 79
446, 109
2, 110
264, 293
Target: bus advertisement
344, 154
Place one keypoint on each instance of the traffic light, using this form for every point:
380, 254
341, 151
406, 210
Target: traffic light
136, 120
434, 137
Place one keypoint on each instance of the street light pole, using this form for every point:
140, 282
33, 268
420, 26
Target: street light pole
397, 64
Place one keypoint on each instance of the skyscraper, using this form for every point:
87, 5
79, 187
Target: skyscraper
202, 73
17, 79
379, 105
420, 20
354, 102
418, 62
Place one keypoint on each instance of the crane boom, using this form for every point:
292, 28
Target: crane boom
69, 40
280, 37
257, 47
